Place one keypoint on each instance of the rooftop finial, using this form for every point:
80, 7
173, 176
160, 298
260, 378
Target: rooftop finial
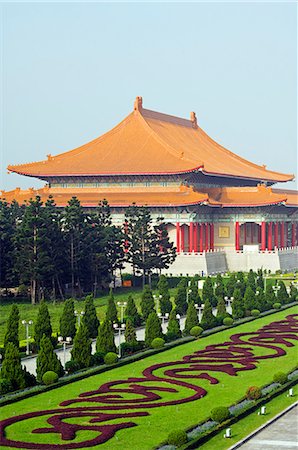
138, 104
193, 119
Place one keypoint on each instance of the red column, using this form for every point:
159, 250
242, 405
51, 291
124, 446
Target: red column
259, 234
195, 244
276, 234
270, 236
182, 238
178, 244
206, 236
245, 233
263, 236
282, 234
252, 229
201, 237
190, 237
212, 236
293, 235
237, 236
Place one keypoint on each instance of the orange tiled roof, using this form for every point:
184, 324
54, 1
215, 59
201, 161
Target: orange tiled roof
148, 142
183, 196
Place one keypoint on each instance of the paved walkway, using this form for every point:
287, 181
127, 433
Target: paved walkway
280, 435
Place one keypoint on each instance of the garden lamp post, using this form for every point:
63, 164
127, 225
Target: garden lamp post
121, 305
79, 314
178, 317
27, 324
229, 301
200, 309
189, 291
163, 318
64, 342
119, 328
157, 300
276, 288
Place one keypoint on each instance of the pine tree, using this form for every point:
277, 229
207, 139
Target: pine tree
219, 287
191, 318
293, 293
12, 327
208, 319
221, 310
270, 296
180, 298
251, 280
131, 312
7, 247
68, 320
47, 359
11, 367
153, 328
207, 293
282, 295
261, 303
260, 280
147, 302
238, 309
240, 283
111, 313
90, 319
165, 302
249, 299
106, 341
194, 295
173, 331
130, 332
231, 285
42, 324
81, 351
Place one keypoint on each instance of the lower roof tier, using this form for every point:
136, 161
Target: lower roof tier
183, 196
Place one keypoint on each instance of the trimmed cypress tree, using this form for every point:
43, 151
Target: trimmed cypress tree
251, 280
260, 280
261, 303
208, 319
194, 295
131, 312
147, 302
207, 293
249, 299
180, 299
153, 328
231, 285
270, 296
90, 319
47, 359
130, 332
81, 351
191, 318
106, 341
68, 320
219, 288
173, 331
238, 310
282, 295
11, 367
221, 310
43, 324
111, 313
12, 327
165, 302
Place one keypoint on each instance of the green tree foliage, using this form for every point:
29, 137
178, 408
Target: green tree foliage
249, 299
207, 293
219, 287
173, 331
105, 341
111, 313
7, 247
240, 283
147, 302
208, 319
282, 295
231, 285
270, 296
293, 293
81, 351
260, 280
131, 312
90, 319
165, 302
221, 310
194, 295
153, 328
47, 359
43, 324
180, 298
261, 302
251, 280
68, 320
12, 327
238, 309
130, 332
191, 318
11, 367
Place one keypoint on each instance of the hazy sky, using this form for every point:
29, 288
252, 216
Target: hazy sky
71, 71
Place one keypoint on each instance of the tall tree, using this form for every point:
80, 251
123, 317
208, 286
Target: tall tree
12, 327
7, 239
81, 351
191, 318
208, 292
260, 280
270, 295
251, 280
164, 250
173, 331
282, 295
147, 302
43, 324
194, 295
219, 287
11, 367
238, 309
165, 302
68, 320
131, 312
111, 313
106, 341
221, 310
208, 319
90, 319
153, 328
180, 298
47, 359
249, 300
231, 285
130, 332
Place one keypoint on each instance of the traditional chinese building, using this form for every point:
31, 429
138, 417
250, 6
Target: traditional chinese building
222, 211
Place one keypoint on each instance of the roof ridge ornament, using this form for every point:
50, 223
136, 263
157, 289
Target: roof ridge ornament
193, 119
138, 104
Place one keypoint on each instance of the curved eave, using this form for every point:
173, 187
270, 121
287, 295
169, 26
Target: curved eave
270, 180
245, 205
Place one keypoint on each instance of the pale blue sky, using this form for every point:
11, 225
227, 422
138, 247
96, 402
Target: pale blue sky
71, 71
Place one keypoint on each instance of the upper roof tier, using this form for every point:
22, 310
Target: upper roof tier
148, 142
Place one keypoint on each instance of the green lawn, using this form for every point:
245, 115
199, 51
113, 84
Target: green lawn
155, 427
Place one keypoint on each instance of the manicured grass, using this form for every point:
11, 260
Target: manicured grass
250, 423
155, 427
28, 311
